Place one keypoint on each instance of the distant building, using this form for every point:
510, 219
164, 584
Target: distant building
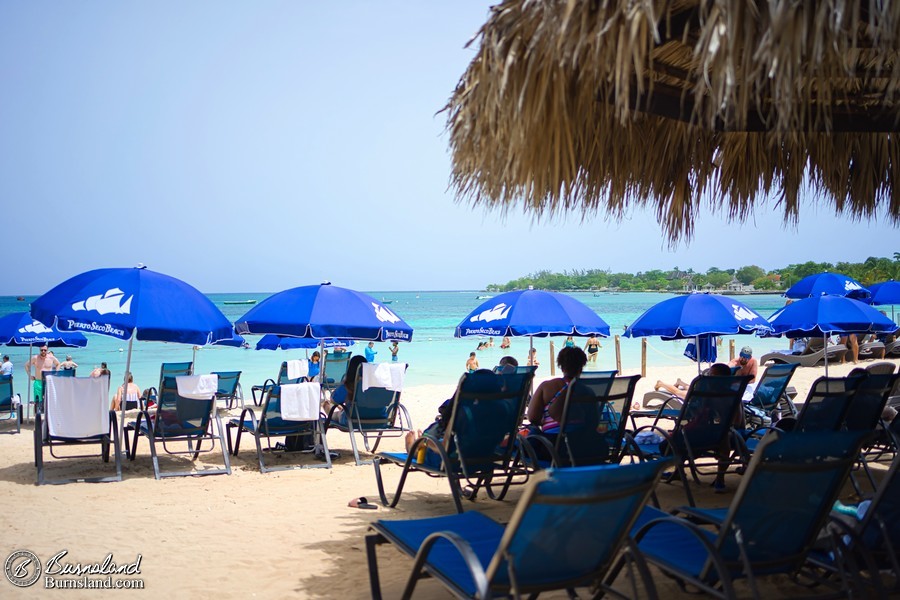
689, 285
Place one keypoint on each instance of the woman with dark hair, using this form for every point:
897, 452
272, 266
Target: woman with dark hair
546, 406
344, 392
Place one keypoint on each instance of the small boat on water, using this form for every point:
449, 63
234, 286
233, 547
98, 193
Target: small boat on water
20, 298
239, 302
482, 297
384, 301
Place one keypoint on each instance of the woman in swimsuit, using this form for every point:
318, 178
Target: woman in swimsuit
570, 343
546, 406
592, 347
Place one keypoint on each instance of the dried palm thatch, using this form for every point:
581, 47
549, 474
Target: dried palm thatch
601, 106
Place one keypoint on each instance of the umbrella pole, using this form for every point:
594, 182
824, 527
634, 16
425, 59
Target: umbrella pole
825, 346
29, 398
124, 395
697, 349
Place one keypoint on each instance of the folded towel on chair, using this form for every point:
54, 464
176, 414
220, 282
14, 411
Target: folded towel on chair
383, 375
77, 407
297, 369
198, 387
300, 401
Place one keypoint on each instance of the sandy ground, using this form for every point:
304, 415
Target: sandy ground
251, 535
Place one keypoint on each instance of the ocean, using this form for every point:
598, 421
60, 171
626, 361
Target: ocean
434, 355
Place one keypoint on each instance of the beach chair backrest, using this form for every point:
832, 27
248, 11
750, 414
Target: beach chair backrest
270, 420
827, 403
334, 368
594, 416
582, 513
785, 497
228, 382
177, 416
283, 378
513, 370
709, 410
868, 402
883, 515
487, 409
63, 373
175, 369
6, 392
772, 385
76, 407
374, 407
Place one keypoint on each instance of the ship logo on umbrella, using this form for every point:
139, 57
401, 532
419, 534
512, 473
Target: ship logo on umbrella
850, 285
384, 315
493, 314
742, 313
111, 302
35, 327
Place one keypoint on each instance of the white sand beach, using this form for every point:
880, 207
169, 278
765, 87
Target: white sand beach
285, 534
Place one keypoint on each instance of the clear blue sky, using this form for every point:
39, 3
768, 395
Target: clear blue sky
260, 145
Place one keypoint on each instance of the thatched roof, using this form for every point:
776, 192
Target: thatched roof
601, 106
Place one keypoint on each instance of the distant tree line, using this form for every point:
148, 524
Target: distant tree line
869, 272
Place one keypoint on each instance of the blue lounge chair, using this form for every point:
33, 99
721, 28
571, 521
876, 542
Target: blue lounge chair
864, 549
176, 369
770, 400
229, 388
270, 424
480, 443
769, 528
10, 410
567, 528
282, 378
703, 429
375, 412
334, 368
865, 415
176, 420
593, 422
76, 413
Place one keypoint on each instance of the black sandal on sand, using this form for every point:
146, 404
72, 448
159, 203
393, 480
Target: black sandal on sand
361, 502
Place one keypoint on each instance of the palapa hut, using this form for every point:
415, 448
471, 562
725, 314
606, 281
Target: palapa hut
600, 106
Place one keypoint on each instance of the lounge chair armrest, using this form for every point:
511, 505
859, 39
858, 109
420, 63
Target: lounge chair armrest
468, 555
701, 535
543, 441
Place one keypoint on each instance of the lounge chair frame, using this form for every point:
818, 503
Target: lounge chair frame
9, 409
501, 560
457, 462
374, 413
43, 439
832, 353
179, 420
270, 424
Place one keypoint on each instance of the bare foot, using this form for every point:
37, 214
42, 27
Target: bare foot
657, 386
680, 384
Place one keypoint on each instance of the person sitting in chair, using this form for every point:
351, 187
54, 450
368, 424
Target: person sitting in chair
344, 393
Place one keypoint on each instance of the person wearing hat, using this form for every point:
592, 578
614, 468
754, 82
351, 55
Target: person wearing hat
68, 364
746, 364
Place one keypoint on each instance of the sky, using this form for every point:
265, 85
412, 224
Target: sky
262, 145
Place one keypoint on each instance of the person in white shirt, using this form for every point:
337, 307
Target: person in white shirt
6, 367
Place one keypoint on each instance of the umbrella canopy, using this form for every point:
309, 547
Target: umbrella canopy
886, 292
126, 302
694, 315
280, 342
324, 311
834, 284
825, 315
601, 107
20, 329
533, 313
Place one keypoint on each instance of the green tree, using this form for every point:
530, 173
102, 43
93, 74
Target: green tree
747, 274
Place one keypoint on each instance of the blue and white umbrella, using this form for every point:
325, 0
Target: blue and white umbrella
280, 342
826, 315
693, 316
20, 329
324, 311
886, 292
129, 303
835, 284
534, 313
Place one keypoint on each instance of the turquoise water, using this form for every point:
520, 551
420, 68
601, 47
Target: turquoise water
434, 355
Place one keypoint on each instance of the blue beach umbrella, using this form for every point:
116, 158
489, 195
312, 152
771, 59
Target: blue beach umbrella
20, 329
129, 303
826, 315
534, 313
324, 311
835, 284
886, 292
693, 316
279, 342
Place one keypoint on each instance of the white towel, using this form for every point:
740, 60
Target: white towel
198, 387
384, 375
300, 401
77, 407
297, 369
748, 392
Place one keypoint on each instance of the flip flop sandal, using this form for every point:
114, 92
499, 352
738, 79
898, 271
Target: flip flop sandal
361, 502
